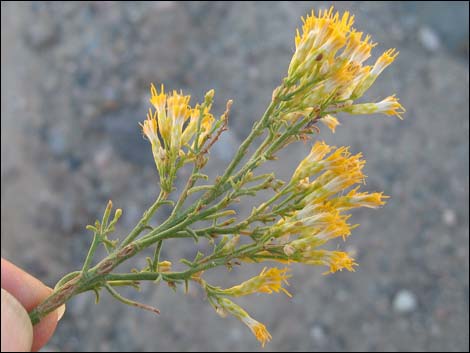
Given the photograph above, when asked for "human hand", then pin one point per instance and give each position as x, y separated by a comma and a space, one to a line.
21, 292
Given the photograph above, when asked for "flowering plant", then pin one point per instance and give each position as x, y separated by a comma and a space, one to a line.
326, 76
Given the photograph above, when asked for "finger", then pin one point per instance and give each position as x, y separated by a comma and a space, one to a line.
29, 291
43, 331
17, 331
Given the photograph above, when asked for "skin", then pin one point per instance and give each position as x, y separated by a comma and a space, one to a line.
22, 292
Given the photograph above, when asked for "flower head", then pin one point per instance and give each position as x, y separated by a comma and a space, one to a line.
356, 199
267, 281
339, 260
164, 266
311, 164
388, 106
330, 121
336, 260
150, 128
257, 328
383, 61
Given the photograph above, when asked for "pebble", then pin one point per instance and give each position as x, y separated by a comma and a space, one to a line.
429, 39
42, 34
57, 142
404, 302
449, 217
317, 333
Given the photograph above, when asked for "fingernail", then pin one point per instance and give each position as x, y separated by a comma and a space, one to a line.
60, 312
17, 330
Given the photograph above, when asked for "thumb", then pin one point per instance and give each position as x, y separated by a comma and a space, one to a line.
17, 330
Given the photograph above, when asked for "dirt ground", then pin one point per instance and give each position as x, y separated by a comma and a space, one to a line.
74, 82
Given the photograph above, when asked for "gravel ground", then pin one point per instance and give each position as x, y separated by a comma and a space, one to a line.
74, 82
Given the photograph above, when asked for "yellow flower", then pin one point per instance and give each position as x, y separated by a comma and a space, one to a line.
309, 216
383, 61
315, 235
164, 266
206, 125
330, 121
267, 281
158, 100
358, 50
309, 165
257, 328
356, 199
191, 126
368, 79
150, 128
178, 111
336, 260
388, 106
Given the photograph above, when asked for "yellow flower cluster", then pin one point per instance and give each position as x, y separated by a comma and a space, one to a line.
327, 71
319, 216
172, 126
175, 120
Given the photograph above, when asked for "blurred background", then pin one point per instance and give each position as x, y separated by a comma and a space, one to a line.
75, 83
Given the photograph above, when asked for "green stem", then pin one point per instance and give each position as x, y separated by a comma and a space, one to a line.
67, 278
91, 253
144, 220
255, 132
156, 255
189, 184
119, 297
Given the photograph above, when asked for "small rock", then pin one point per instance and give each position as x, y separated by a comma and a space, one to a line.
404, 302
42, 34
103, 157
317, 333
57, 142
449, 217
429, 39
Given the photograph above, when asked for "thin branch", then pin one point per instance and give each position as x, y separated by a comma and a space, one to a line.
119, 297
